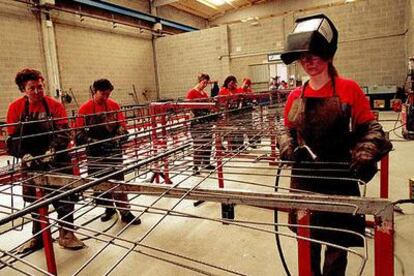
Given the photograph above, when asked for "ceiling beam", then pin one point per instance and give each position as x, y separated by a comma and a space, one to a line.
159, 3
192, 11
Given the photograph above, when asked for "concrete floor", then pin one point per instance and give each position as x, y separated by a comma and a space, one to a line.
228, 246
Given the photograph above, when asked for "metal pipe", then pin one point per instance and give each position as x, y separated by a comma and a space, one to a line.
113, 8
35, 206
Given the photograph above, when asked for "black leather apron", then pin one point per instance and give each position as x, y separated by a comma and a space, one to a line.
323, 124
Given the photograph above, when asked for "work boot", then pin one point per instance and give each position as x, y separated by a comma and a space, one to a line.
210, 167
33, 244
109, 213
128, 217
196, 171
68, 240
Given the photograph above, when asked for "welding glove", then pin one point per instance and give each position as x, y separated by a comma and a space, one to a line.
81, 137
121, 131
27, 160
286, 144
39, 163
287, 152
370, 147
50, 156
364, 165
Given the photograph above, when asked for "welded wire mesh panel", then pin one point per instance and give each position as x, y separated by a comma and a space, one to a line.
202, 220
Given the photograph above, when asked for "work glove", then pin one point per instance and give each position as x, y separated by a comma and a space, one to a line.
286, 144
81, 137
121, 131
50, 156
27, 160
287, 152
364, 165
39, 163
365, 172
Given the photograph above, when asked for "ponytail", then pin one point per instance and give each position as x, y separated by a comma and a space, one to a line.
332, 70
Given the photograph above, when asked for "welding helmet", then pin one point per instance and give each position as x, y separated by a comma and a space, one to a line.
315, 34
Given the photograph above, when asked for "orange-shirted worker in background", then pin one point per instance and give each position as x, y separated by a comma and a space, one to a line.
229, 88
247, 106
201, 126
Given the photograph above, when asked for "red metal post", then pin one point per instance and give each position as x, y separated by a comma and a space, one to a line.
46, 236
384, 174
164, 145
153, 114
384, 249
74, 159
219, 159
273, 154
304, 256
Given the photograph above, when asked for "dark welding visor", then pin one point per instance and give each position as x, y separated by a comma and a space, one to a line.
314, 34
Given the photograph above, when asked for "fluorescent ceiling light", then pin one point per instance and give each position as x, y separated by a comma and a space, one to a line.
213, 3
217, 2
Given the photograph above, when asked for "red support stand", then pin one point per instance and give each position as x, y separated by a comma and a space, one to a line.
164, 141
273, 154
154, 142
219, 158
384, 174
46, 236
384, 249
74, 159
304, 255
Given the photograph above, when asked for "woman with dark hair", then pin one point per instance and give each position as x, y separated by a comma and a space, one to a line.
328, 122
100, 118
247, 105
201, 126
229, 88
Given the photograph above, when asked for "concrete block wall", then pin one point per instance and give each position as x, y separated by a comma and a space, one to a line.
410, 28
250, 44
86, 51
182, 57
371, 43
91, 50
21, 46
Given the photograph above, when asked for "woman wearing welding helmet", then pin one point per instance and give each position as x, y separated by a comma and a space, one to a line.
328, 123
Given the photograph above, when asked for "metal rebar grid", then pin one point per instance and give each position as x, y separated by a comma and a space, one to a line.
164, 141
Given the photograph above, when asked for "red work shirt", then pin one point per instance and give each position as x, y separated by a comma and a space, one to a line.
194, 94
349, 93
36, 110
226, 92
91, 107
242, 90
